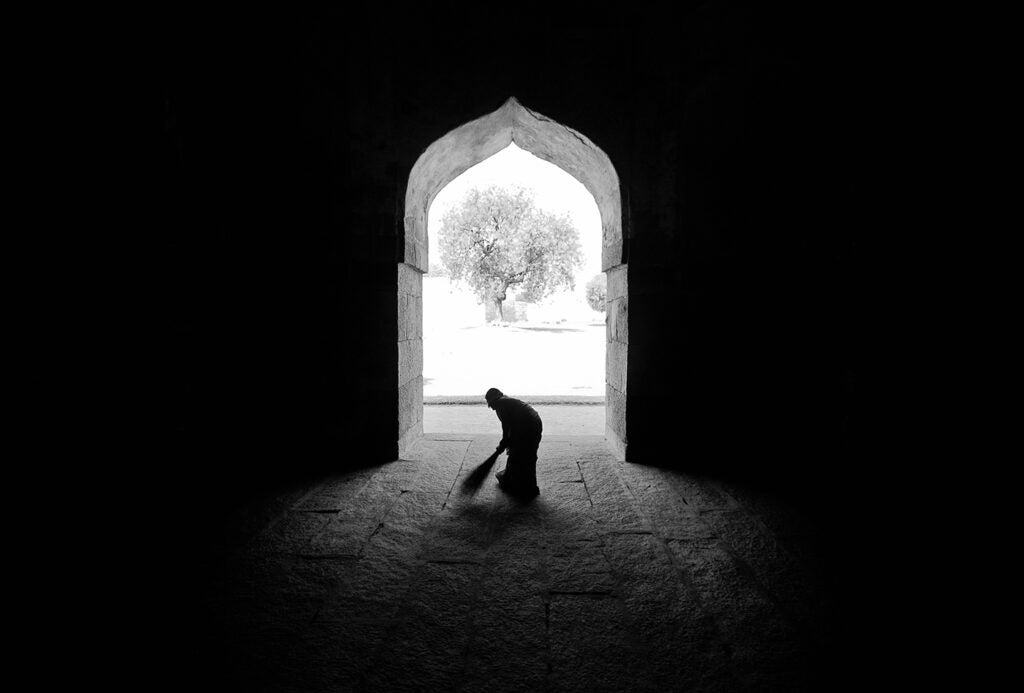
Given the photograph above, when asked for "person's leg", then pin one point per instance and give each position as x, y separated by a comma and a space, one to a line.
528, 473
512, 467
520, 476
529, 465
530, 459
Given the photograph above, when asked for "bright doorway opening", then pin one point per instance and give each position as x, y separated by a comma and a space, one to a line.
452, 350
551, 346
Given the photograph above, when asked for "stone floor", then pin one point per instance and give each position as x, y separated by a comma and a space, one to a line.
618, 577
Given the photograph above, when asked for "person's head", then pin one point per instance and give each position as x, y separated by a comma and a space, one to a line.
492, 396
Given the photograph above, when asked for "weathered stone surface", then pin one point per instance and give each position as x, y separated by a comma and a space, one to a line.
751, 623
642, 479
440, 454
591, 646
458, 538
410, 280
614, 513
556, 463
426, 649
404, 528
329, 656
617, 282
404, 318
373, 587
701, 493
410, 361
508, 651
381, 491
793, 586
617, 577
618, 321
415, 318
292, 533
334, 494
615, 365
785, 521
520, 575
676, 634
604, 484
673, 519
258, 588
615, 417
644, 569
578, 567
415, 509
365, 507
342, 538
429, 657
568, 511
416, 251
410, 396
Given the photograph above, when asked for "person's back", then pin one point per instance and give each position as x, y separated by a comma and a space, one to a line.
521, 428
519, 415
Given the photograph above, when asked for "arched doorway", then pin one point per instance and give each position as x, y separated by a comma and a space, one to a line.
449, 157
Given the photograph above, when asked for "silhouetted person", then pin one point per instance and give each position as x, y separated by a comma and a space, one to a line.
521, 429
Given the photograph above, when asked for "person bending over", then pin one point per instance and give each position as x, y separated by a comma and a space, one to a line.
521, 429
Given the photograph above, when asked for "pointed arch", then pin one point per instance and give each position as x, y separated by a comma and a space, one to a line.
449, 157
469, 144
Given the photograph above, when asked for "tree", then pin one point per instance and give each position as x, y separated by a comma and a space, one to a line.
496, 240
597, 291
437, 270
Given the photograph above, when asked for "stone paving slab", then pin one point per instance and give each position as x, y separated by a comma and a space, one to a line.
590, 649
617, 577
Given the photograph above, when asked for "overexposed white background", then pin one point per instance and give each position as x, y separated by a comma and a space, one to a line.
560, 348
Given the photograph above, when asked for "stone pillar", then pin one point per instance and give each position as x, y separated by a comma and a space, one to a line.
410, 356
616, 351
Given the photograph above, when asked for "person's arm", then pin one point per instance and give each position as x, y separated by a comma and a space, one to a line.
504, 436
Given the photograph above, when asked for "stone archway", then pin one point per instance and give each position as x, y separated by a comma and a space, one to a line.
449, 157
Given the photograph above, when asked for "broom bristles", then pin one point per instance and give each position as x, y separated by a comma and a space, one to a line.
475, 479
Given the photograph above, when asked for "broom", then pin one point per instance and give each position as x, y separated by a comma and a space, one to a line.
475, 479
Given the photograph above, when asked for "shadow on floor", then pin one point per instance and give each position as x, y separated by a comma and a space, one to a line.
617, 577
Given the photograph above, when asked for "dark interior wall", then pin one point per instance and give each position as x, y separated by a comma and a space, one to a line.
288, 140
743, 233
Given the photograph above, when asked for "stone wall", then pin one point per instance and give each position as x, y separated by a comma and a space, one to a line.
410, 356
616, 359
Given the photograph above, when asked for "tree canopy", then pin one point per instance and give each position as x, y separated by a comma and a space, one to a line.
496, 239
597, 289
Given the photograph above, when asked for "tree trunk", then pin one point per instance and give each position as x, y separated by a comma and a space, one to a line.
497, 311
